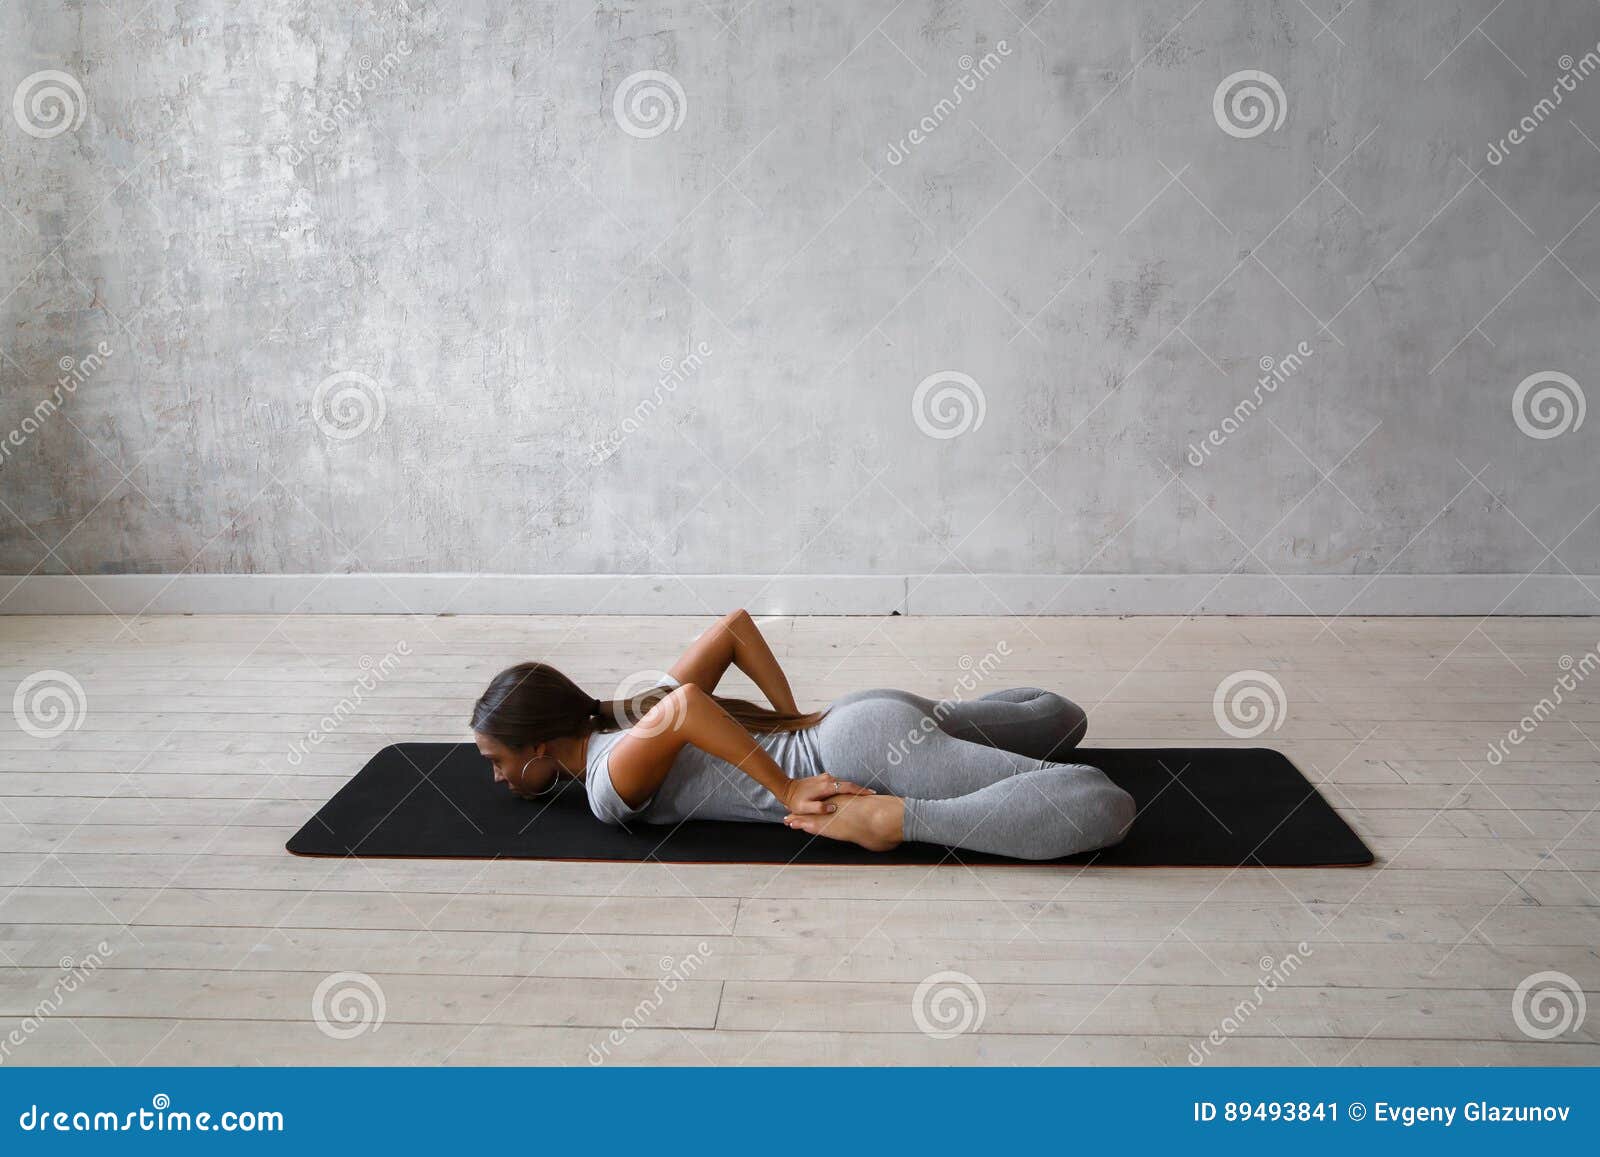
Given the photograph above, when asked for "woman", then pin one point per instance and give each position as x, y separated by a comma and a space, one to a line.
874, 769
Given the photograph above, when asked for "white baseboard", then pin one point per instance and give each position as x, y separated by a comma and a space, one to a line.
941, 594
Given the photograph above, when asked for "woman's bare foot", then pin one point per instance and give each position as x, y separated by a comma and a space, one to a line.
873, 821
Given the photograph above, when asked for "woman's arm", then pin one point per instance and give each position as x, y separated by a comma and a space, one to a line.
687, 716
735, 639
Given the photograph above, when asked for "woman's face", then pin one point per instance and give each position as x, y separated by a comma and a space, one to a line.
526, 771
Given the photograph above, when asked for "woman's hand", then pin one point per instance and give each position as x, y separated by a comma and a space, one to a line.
809, 795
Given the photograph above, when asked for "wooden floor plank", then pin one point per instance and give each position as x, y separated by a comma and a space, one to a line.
141, 854
164, 1041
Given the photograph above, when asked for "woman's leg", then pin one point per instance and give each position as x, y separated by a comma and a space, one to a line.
1058, 810
893, 743
1026, 720
960, 793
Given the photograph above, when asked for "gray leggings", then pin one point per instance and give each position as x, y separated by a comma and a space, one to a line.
982, 774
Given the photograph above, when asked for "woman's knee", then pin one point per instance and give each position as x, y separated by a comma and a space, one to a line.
1117, 810
1101, 815
1060, 714
1015, 694
1066, 717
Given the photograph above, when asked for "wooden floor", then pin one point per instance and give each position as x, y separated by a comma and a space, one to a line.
149, 914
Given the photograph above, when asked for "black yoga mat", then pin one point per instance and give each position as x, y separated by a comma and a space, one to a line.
1198, 806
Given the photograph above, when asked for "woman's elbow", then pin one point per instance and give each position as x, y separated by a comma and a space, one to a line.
671, 712
684, 703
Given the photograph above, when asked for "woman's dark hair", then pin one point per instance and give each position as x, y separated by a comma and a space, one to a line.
534, 703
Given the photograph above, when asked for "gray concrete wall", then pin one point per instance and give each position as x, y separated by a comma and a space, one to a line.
392, 290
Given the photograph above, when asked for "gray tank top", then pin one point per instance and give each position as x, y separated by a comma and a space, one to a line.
699, 786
